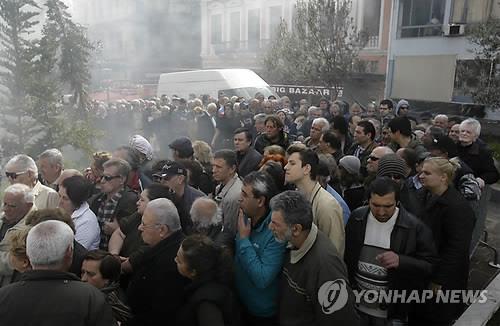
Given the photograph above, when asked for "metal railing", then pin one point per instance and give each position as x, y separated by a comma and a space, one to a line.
421, 30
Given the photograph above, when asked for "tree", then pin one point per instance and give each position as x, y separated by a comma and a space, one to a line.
43, 70
486, 40
17, 22
320, 48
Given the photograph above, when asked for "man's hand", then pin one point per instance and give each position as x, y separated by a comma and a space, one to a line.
388, 259
110, 227
481, 182
244, 228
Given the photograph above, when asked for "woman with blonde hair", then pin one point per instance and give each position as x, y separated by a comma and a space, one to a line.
203, 154
451, 220
17, 251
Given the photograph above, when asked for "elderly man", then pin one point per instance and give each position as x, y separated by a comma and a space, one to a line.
312, 113
318, 127
475, 153
17, 203
49, 295
441, 121
206, 220
313, 269
156, 289
115, 201
51, 166
22, 169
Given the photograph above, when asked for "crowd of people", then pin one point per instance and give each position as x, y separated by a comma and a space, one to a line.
263, 214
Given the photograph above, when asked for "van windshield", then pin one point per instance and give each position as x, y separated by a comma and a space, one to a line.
248, 92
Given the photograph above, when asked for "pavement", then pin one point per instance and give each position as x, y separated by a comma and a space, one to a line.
481, 273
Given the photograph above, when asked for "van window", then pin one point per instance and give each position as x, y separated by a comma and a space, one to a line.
247, 92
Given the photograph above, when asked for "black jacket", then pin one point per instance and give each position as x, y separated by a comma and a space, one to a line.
478, 157
451, 220
248, 162
262, 141
208, 303
410, 239
155, 290
44, 297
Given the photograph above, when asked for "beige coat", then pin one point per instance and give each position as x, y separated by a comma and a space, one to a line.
327, 215
44, 196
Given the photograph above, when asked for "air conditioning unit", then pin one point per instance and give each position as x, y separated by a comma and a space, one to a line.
454, 30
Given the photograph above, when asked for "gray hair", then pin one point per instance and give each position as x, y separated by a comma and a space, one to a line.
24, 163
122, 166
165, 213
386, 150
53, 155
262, 185
47, 244
261, 117
295, 207
313, 109
324, 122
474, 124
205, 215
20, 189
441, 116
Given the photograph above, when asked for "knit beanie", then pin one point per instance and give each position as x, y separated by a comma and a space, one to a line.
391, 164
351, 164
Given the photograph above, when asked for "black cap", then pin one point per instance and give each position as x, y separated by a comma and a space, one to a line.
445, 144
171, 168
184, 146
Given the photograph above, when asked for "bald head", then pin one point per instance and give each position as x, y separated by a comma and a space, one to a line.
66, 174
376, 154
204, 212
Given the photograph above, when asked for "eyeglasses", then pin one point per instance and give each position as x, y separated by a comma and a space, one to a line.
107, 178
144, 226
14, 175
373, 158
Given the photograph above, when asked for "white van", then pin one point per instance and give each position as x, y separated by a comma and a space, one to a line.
230, 82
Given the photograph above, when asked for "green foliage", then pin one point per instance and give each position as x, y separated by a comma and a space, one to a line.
486, 39
320, 48
36, 72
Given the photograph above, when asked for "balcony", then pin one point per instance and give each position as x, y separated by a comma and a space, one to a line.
239, 47
372, 42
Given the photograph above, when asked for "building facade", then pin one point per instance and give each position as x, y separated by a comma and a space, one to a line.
428, 47
140, 39
235, 33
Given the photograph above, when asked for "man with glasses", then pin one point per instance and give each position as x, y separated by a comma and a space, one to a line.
22, 169
156, 289
17, 203
115, 200
175, 176
387, 248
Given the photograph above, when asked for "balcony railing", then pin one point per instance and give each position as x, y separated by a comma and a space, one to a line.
372, 42
421, 30
231, 47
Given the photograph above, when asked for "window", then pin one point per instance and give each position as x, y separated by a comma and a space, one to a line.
216, 29
421, 18
474, 11
253, 29
235, 30
371, 21
274, 20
